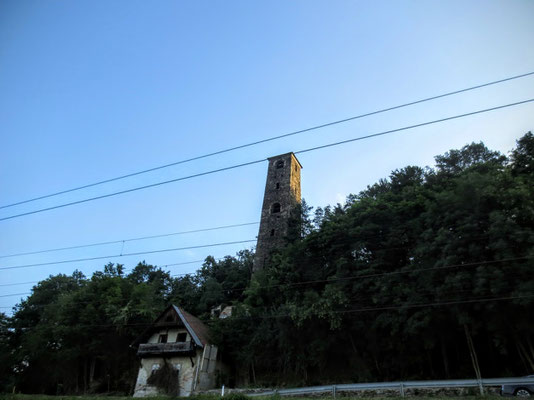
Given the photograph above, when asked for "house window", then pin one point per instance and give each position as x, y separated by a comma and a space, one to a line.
279, 164
162, 338
182, 337
275, 208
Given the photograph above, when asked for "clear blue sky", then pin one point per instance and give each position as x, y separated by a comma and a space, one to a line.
94, 89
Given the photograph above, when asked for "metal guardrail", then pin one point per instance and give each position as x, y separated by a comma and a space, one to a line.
400, 386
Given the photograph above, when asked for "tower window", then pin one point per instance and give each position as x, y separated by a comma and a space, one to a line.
279, 164
272, 232
277, 185
275, 208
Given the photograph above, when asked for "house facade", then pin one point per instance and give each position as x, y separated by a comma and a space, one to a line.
180, 341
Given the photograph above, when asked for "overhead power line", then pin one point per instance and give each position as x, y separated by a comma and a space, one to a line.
81, 246
324, 146
126, 270
406, 306
353, 277
15, 294
350, 311
316, 127
472, 238
134, 189
19, 283
128, 254
427, 291
348, 240
264, 159
380, 274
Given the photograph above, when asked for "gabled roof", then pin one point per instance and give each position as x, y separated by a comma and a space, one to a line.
195, 327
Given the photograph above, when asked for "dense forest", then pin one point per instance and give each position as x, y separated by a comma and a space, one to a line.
425, 274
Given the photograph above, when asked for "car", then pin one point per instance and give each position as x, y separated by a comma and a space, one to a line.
522, 390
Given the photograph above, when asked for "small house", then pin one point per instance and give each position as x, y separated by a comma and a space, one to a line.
177, 344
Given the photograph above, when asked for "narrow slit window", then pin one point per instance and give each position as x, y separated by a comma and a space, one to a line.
278, 185
272, 232
275, 208
279, 164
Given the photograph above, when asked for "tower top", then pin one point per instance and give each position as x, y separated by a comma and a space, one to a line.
285, 155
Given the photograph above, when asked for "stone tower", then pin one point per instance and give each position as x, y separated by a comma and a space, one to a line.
282, 195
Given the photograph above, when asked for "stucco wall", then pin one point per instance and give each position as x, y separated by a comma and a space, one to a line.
172, 335
186, 375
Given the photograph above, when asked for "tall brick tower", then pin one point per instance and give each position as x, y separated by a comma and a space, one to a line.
282, 195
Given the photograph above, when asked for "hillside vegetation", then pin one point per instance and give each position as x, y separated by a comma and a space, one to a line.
426, 274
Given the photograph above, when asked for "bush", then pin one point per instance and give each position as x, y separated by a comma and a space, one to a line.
166, 379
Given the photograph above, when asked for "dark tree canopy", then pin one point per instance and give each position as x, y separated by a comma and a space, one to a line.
407, 279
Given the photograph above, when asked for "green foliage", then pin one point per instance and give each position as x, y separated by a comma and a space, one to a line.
374, 267
165, 379
371, 290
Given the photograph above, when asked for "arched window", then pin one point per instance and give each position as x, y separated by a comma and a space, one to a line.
279, 164
275, 208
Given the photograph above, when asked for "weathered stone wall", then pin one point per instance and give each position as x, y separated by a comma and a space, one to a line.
281, 188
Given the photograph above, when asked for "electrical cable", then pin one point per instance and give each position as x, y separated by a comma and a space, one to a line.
126, 270
349, 241
127, 240
270, 139
358, 298
412, 126
128, 254
376, 275
352, 311
365, 276
134, 189
170, 234
264, 159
